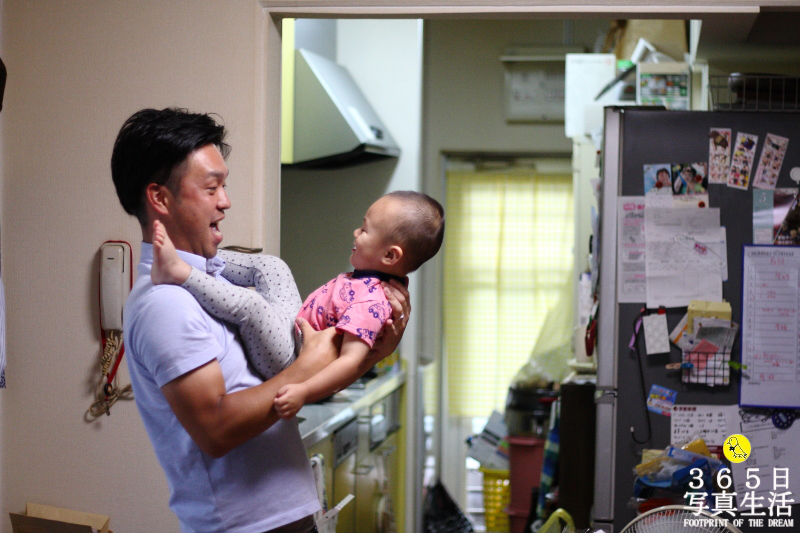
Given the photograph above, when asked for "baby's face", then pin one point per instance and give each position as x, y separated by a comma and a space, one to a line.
372, 238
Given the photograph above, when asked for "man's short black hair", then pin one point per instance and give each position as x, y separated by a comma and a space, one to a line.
150, 147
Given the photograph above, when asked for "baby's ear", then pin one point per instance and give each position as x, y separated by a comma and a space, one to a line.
392, 256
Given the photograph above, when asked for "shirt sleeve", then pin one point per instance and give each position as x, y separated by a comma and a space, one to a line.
172, 335
365, 320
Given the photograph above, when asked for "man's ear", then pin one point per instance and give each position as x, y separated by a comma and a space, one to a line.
158, 198
392, 256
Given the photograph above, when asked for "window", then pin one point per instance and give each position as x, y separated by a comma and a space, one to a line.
508, 253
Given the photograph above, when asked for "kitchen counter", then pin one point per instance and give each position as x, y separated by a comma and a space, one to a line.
319, 420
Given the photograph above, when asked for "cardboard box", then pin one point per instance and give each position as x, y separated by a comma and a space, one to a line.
46, 519
668, 36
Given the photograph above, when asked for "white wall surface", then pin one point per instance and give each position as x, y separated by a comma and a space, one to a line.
77, 70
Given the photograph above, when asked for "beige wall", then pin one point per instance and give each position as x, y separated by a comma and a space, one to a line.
77, 70
2, 116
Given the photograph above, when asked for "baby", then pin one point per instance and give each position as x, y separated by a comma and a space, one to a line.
399, 233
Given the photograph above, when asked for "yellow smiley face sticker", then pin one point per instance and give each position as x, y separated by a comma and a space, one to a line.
736, 448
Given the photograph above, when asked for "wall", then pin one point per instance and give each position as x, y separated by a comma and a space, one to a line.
463, 110
77, 70
2, 120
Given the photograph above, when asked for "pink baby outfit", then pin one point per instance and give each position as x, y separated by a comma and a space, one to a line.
354, 305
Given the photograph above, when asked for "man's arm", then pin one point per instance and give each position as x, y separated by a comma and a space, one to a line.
348, 367
218, 421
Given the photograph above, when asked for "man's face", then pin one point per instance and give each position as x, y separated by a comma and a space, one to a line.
200, 203
371, 239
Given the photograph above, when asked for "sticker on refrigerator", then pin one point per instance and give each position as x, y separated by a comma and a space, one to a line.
719, 155
769, 164
744, 153
661, 400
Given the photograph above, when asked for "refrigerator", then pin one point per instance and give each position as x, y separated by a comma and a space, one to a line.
634, 137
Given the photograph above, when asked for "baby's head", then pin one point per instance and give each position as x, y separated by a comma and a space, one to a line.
399, 233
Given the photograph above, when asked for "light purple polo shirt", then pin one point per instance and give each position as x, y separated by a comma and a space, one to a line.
262, 484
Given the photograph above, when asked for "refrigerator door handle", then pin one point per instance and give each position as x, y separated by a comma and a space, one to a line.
605, 396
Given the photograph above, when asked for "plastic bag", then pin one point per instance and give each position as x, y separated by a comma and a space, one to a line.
441, 514
554, 347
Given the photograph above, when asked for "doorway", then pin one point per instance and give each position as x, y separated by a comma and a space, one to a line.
508, 261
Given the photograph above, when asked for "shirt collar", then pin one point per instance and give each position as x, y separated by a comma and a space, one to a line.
213, 266
383, 276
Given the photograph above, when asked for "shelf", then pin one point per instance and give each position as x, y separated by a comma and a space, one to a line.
539, 54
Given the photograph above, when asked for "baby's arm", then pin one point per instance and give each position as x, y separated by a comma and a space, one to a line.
351, 364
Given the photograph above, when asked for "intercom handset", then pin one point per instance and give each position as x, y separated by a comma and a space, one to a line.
115, 283
116, 280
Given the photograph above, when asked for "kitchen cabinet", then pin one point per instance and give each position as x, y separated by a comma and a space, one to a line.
376, 472
345, 447
360, 440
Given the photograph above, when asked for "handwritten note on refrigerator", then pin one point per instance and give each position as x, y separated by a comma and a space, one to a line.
712, 423
770, 343
685, 256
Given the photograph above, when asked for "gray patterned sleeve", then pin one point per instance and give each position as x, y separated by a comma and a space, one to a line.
265, 317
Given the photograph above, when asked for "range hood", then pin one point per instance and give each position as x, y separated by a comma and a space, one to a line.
334, 125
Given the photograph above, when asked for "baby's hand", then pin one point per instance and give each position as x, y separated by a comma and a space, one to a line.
290, 399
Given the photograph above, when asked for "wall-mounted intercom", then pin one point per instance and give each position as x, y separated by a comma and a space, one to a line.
115, 283
116, 280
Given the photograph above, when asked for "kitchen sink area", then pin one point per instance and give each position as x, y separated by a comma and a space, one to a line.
357, 437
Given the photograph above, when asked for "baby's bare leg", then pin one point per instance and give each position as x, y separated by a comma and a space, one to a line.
168, 267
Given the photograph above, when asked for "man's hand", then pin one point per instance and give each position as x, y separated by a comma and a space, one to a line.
219, 421
320, 348
397, 295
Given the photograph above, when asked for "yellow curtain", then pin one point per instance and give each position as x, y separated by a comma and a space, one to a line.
508, 249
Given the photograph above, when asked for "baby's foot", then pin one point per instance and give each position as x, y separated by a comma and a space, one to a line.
168, 267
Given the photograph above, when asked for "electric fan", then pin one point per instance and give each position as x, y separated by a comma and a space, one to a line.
679, 519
